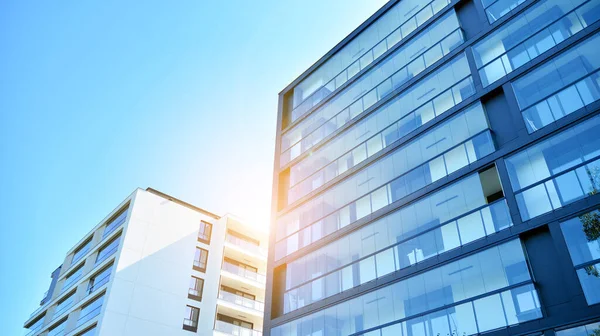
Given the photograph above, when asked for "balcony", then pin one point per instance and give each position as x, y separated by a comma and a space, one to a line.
231, 329
42, 306
190, 325
34, 330
241, 301
246, 246
244, 273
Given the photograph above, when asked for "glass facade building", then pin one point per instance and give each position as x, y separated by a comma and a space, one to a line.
437, 173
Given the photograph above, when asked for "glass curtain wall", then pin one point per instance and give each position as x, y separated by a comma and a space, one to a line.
386, 32
561, 86
437, 153
497, 280
557, 171
538, 29
410, 60
582, 235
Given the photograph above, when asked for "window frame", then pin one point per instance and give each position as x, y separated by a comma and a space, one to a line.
203, 237
194, 323
197, 262
200, 290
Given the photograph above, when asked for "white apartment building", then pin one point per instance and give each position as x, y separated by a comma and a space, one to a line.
158, 266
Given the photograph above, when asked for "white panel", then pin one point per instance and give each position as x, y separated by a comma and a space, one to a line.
128, 264
113, 324
120, 296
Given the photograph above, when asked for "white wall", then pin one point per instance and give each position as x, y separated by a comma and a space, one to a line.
149, 290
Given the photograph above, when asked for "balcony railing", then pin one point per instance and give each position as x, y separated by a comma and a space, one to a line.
194, 292
200, 265
105, 254
241, 301
40, 308
97, 283
232, 329
245, 273
63, 307
32, 331
246, 245
190, 323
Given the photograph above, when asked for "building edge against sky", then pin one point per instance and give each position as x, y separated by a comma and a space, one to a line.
158, 266
437, 173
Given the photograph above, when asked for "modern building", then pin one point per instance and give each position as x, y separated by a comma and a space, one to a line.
158, 266
437, 173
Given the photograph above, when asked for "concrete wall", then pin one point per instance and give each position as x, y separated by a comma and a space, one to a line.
148, 293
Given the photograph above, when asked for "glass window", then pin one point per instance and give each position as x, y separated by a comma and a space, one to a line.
82, 250
190, 321
114, 223
205, 232
358, 314
99, 280
89, 332
90, 310
561, 156
404, 171
200, 259
196, 288
64, 304
58, 329
367, 46
72, 278
484, 310
496, 9
37, 325
405, 64
108, 249
582, 235
402, 232
560, 86
533, 32
585, 330
486, 271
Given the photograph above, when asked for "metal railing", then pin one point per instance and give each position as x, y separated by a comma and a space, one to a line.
241, 301
72, 280
97, 283
40, 308
87, 317
232, 329
200, 264
35, 330
117, 222
105, 254
246, 245
65, 307
243, 272
194, 292
190, 323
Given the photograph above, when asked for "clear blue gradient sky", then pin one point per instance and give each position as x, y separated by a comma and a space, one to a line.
100, 97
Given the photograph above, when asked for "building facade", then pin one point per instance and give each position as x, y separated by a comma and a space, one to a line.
158, 266
437, 173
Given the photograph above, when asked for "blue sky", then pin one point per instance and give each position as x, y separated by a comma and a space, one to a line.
100, 97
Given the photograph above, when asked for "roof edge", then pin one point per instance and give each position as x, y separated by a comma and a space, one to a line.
339, 46
180, 202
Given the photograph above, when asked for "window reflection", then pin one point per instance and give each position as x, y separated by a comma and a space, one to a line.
519, 305
402, 172
571, 81
557, 171
582, 235
487, 271
399, 21
339, 111
539, 28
